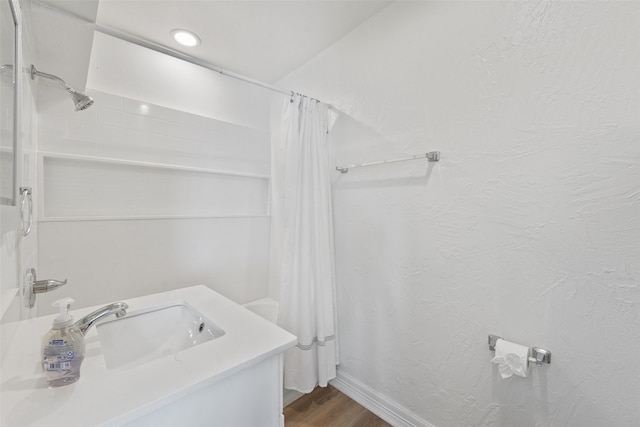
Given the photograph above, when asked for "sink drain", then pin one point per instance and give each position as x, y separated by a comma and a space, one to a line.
201, 327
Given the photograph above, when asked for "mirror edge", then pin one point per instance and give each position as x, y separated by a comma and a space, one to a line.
14, 7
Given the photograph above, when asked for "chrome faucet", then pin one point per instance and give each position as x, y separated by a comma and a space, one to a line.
117, 308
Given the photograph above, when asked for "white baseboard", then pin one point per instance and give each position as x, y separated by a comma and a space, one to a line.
389, 411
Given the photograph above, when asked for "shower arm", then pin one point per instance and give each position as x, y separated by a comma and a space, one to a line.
35, 73
80, 100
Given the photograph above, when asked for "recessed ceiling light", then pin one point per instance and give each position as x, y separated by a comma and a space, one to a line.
185, 38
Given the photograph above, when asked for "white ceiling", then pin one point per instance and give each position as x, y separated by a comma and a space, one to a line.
263, 39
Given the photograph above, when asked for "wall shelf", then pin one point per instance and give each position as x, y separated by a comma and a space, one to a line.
42, 155
148, 217
81, 188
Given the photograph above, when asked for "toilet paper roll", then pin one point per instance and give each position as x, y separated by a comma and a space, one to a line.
511, 359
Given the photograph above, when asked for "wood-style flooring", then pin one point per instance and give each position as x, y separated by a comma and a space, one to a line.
328, 407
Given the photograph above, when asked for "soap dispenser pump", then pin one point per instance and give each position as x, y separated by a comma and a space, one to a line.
62, 348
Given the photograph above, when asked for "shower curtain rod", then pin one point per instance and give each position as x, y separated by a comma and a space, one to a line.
183, 57
195, 61
165, 50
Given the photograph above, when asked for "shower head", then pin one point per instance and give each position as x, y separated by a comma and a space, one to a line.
81, 101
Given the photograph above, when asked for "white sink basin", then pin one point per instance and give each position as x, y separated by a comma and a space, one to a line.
148, 334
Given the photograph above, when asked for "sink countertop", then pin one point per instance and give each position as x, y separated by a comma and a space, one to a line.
112, 397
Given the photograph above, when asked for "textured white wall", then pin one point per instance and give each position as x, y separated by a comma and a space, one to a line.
529, 226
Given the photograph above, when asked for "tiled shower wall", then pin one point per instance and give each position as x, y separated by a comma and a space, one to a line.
137, 198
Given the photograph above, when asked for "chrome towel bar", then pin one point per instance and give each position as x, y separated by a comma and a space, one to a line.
432, 156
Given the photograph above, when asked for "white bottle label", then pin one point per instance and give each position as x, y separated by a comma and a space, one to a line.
58, 356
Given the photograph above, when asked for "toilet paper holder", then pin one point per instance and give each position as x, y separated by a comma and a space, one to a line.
536, 355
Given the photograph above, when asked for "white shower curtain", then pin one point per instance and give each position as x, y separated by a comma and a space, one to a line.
302, 217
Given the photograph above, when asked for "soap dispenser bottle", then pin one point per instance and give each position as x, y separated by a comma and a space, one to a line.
62, 348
